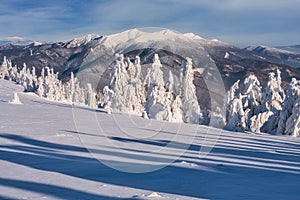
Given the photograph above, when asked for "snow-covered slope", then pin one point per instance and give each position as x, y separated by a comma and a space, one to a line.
44, 157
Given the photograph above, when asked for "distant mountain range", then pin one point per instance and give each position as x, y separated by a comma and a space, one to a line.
15, 41
93, 55
293, 48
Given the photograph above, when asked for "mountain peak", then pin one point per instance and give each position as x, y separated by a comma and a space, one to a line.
76, 42
194, 36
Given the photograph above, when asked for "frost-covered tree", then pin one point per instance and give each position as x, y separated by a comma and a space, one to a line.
293, 122
252, 98
229, 98
252, 92
273, 95
191, 108
272, 101
72, 87
78, 94
138, 68
107, 96
119, 81
236, 116
90, 96
13, 73
131, 68
157, 104
4, 68
292, 94
41, 84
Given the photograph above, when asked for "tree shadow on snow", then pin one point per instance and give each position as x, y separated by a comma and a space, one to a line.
228, 178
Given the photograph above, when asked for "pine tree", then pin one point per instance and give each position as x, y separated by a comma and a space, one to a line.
156, 104
90, 96
191, 107
273, 99
292, 94
137, 64
4, 69
107, 96
293, 122
252, 98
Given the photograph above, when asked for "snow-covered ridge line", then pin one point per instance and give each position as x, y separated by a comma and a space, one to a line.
76, 42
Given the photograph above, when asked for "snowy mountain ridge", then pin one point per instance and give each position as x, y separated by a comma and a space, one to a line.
77, 42
142, 36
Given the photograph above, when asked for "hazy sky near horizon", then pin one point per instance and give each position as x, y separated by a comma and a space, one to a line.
239, 22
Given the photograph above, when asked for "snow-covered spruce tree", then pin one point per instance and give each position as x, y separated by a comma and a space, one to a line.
292, 94
107, 96
236, 115
252, 92
41, 84
49, 84
252, 98
191, 108
230, 96
293, 122
78, 98
135, 92
13, 73
4, 68
157, 102
118, 82
72, 88
138, 68
131, 69
90, 96
273, 95
272, 100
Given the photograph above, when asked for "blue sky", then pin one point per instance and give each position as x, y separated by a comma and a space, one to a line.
239, 22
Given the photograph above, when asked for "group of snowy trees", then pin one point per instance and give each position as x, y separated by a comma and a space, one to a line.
47, 85
268, 110
158, 96
168, 97
165, 96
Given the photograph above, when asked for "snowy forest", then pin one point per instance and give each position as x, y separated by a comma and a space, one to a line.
247, 105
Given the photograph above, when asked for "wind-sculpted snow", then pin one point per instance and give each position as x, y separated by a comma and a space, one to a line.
43, 156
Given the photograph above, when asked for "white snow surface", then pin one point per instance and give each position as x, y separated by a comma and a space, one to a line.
42, 157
